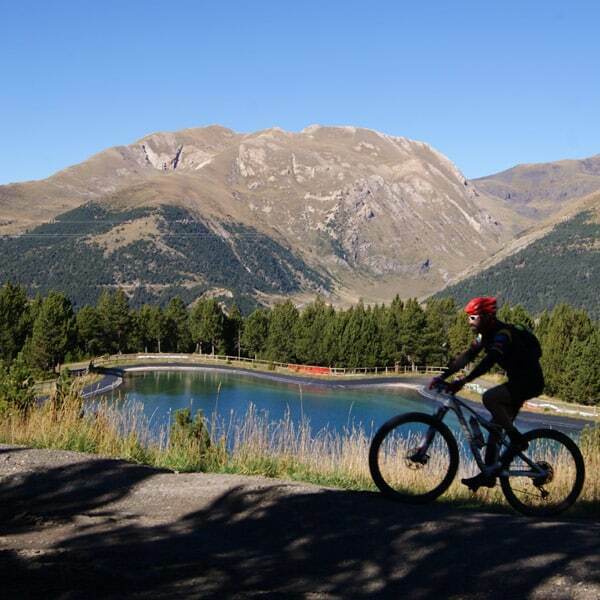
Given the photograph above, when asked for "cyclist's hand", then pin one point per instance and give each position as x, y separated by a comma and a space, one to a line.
435, 383
454, 386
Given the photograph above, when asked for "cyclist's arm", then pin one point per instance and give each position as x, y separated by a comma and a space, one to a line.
462, 360
495, 353
486, 363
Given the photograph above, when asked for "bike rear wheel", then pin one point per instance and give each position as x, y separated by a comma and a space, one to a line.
413, 458
553, 480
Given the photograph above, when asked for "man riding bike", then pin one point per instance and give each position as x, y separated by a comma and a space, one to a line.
517, 352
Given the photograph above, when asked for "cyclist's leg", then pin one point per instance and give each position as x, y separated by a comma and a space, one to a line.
504, 407
499, 401
493, 398
522, 389
496, 400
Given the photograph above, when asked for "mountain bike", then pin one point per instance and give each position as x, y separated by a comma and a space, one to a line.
414, 458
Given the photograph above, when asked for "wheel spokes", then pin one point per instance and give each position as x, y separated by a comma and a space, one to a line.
408, 464
552, 472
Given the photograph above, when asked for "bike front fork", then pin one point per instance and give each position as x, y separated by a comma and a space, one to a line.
439, 415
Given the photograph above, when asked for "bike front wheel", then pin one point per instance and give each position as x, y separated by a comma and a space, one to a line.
413, 458
545, 479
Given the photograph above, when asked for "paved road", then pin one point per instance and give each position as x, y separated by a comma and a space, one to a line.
77, 526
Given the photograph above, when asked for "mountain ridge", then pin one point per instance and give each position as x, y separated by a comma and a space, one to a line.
374, 214
365, 215
538, 190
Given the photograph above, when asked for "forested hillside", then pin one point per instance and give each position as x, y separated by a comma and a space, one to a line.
563, 266
86, 250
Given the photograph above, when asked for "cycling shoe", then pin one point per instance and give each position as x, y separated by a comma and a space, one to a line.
479, 480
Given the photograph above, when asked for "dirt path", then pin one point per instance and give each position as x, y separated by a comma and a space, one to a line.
79, 526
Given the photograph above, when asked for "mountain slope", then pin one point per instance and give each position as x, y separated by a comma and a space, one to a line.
363, 214
561, 265
23, 205
539, 190
90, 248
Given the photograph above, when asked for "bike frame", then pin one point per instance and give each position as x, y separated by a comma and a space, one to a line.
454, 404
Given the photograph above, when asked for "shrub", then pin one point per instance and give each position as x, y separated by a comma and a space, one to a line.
16, 387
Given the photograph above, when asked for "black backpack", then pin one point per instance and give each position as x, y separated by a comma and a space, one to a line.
526, 340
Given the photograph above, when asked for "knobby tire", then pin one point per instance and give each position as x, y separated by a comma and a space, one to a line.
388, 428
510, 485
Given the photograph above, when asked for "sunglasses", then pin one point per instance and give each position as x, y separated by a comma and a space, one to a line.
473, 318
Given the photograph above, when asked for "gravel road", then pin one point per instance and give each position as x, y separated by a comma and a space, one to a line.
80, 526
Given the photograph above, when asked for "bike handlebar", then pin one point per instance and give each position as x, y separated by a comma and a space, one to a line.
442, 389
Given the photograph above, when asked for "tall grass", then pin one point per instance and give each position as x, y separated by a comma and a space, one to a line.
61, 422
253, 445
590, 448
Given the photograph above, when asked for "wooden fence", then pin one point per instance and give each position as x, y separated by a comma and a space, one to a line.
263, 364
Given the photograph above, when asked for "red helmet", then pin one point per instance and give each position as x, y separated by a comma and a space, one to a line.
483, 305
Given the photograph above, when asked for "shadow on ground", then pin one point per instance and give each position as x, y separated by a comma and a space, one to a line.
252, 541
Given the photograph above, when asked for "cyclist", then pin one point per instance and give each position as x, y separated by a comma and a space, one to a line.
505, 346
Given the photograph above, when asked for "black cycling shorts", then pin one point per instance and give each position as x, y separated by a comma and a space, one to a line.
522, 389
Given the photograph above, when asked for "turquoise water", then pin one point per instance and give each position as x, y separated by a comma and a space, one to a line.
227, 395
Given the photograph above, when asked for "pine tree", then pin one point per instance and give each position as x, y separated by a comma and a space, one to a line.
177, 314
282, 326
158, 326
541, 325
15, 322
351, 352
310, 343
90, 334
390, 337
517, 315
140, 337
332, 332
121, 318
460, 335
565, 325
412, 325
54, 332
397, 306
35, 307
234, 326
207, 325
439, 316
370, 339
16, 386
581, 382
117, 321
255, 333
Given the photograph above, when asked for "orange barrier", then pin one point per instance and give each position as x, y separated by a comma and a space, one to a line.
310, 369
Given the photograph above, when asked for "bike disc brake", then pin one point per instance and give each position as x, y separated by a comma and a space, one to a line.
416, 459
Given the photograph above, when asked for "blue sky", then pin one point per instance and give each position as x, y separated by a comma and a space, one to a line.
489, 84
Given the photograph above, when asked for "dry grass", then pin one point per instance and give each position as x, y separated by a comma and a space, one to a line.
62, 423
252, 445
